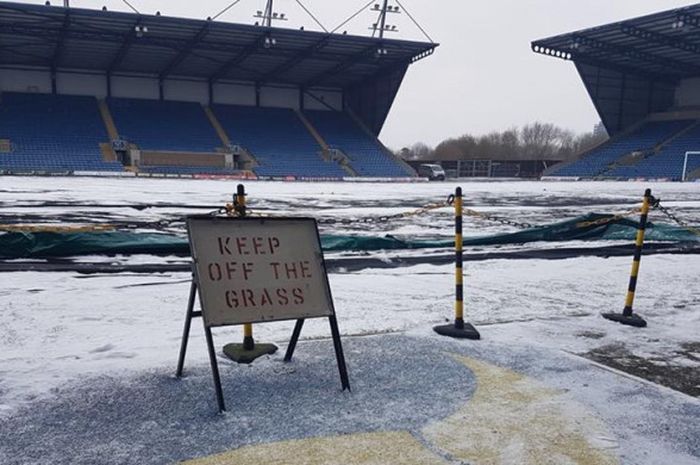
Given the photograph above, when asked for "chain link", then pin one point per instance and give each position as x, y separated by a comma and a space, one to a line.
387, 218
655, 204
382, 219
504, 221
233, 209
610, 219
683, 224
38, 228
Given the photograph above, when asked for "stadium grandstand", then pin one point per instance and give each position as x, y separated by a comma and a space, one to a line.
97, 91
643, 75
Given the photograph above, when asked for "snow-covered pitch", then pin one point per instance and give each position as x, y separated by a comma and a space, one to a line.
67, 336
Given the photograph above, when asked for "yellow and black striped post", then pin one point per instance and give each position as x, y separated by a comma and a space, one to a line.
628, 317
240, 208
459, 329
248, 351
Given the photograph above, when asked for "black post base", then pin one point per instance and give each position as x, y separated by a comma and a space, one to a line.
467, 332
238, 352
631, 320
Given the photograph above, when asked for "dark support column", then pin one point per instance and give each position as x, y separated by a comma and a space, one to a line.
109, 84
210, 87
257, 94
54, 86
161, 92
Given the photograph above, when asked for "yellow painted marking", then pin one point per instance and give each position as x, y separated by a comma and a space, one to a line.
396, 448
630, 299
515, 420
510, 419
459, 242
635, 268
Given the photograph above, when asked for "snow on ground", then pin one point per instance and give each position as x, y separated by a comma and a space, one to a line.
63, 335
57, 327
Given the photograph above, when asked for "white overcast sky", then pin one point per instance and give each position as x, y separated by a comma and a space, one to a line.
483, 77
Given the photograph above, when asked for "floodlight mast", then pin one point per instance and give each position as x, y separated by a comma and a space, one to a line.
381, 20
268, 15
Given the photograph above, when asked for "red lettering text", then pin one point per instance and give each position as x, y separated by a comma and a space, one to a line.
223, 246
282, 298
215, 272
298, 296
242, 247
274, 244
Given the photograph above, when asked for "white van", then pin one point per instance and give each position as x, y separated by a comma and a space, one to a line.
432, 172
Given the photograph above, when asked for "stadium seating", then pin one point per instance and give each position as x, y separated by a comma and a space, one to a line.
72, 129
277, 139
643, 139
366, 156
164, 125
668, 162
52, 133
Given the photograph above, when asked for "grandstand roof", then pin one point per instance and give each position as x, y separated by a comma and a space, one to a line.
128, 43
664, 46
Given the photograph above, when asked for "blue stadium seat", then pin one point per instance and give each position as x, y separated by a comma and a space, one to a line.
277, 139
53, 133
367, 157
644, 139
668, 162
164, 125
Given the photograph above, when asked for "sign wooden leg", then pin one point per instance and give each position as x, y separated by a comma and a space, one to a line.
186, 330
293, 341
340, 357
214, 369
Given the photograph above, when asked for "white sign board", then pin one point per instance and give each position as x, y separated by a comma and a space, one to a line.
250, 270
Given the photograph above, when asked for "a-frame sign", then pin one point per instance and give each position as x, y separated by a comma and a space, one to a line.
255, 270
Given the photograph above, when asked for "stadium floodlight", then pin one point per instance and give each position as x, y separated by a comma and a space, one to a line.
140, 30
268, 15
688, 154
269, 42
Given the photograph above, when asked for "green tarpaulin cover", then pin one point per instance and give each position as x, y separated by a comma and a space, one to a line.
68, 244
